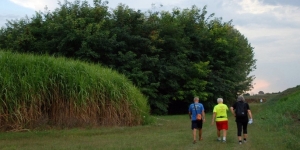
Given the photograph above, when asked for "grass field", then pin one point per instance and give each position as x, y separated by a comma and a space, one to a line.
169, 132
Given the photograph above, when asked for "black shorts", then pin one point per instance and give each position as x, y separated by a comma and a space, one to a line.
196, 124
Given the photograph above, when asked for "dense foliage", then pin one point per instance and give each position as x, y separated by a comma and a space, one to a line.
170, 55
41, 90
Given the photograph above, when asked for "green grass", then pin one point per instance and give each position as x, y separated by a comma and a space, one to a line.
282, 114
169, 132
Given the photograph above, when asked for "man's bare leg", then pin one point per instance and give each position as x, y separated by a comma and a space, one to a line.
224, 134
200, 134
245, 136
194, 134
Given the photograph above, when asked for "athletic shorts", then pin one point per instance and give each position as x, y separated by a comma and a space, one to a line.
222, 125
196, 124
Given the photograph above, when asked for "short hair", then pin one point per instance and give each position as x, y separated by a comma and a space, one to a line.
240, 98
196, 98
220, 100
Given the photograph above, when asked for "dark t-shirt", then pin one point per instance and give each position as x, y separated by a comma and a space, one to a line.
243, 118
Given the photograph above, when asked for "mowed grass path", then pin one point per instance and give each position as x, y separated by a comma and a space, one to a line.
170, 133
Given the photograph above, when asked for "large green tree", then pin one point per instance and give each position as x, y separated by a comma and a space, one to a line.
231, 60
170, 55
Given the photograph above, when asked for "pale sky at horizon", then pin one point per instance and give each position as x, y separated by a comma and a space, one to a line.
271, 26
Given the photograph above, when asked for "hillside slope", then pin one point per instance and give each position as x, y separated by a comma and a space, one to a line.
282, 114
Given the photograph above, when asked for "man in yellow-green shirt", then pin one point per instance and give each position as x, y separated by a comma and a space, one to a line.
220, 116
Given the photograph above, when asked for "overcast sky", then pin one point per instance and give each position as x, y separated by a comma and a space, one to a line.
271, 26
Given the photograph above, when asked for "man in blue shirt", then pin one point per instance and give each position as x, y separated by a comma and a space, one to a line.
194, 109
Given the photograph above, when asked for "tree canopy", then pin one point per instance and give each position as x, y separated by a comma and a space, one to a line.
169, 55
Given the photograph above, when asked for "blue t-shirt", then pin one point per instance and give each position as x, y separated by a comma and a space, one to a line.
199, 109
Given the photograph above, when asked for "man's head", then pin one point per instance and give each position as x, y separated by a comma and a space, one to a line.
220, 100
240, 98
196, 99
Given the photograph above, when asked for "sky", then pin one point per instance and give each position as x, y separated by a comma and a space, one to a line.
272, 27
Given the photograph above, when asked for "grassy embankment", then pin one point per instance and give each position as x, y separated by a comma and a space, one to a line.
281, 115
46, 92
275, 127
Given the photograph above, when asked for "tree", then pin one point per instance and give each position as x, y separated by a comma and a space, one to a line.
170, 55
231, 61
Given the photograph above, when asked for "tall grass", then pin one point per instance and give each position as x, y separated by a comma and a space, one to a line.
282, 114
41, 90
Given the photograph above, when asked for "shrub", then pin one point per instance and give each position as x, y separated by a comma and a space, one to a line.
43, 90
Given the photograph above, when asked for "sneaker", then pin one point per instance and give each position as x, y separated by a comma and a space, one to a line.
194, 142
240, 142
224, 141
245, 141
218, 139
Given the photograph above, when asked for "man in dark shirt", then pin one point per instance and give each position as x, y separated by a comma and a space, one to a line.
241, 121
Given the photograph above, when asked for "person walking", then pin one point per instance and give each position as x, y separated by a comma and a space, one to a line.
197, 117
241, 111
220, 116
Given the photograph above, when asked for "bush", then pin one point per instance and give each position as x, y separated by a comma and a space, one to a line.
43, 90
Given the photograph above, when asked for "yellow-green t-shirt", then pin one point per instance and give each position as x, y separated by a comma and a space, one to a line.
221, 112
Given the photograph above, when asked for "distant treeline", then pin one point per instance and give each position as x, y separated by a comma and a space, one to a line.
169, 55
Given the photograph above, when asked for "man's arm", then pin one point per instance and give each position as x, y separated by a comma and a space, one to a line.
190, 112
213, 118
203, 115
250, 114
249, 111
232, 111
